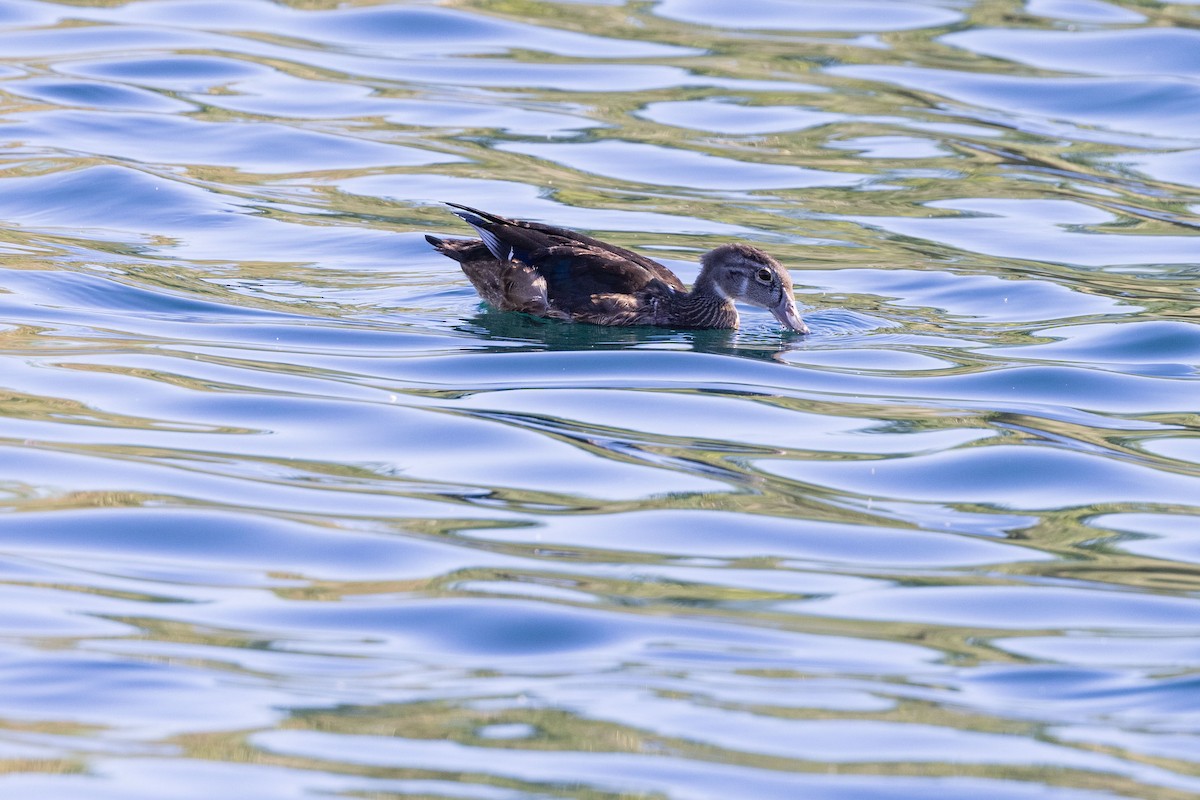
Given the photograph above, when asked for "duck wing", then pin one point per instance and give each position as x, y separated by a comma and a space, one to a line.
575, 266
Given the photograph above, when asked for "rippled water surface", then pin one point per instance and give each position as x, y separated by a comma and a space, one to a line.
289, 513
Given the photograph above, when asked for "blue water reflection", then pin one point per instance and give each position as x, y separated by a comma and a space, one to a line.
288, 512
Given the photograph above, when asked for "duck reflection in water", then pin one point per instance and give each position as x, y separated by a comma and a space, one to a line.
559, 274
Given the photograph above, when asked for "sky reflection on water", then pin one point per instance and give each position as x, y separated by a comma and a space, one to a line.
288, 512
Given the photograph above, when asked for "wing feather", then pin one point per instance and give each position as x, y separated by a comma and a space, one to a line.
508, 239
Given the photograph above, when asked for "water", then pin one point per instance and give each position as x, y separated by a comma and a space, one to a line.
288, 513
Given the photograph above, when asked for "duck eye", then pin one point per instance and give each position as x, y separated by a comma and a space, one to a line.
764, 275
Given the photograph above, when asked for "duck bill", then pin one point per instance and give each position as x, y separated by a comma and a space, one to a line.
786, 313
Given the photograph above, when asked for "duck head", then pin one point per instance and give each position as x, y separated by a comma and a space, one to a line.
742, 272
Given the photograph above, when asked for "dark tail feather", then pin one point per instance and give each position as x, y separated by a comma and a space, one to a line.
485, 225
481, 215
459, 249
447, 247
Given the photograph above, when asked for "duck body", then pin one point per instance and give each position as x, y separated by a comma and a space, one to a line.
558, 273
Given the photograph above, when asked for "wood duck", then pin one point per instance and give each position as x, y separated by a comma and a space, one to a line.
557, 273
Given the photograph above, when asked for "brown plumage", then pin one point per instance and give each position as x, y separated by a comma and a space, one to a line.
558, 273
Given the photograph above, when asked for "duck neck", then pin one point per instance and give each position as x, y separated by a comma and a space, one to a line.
707, 306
